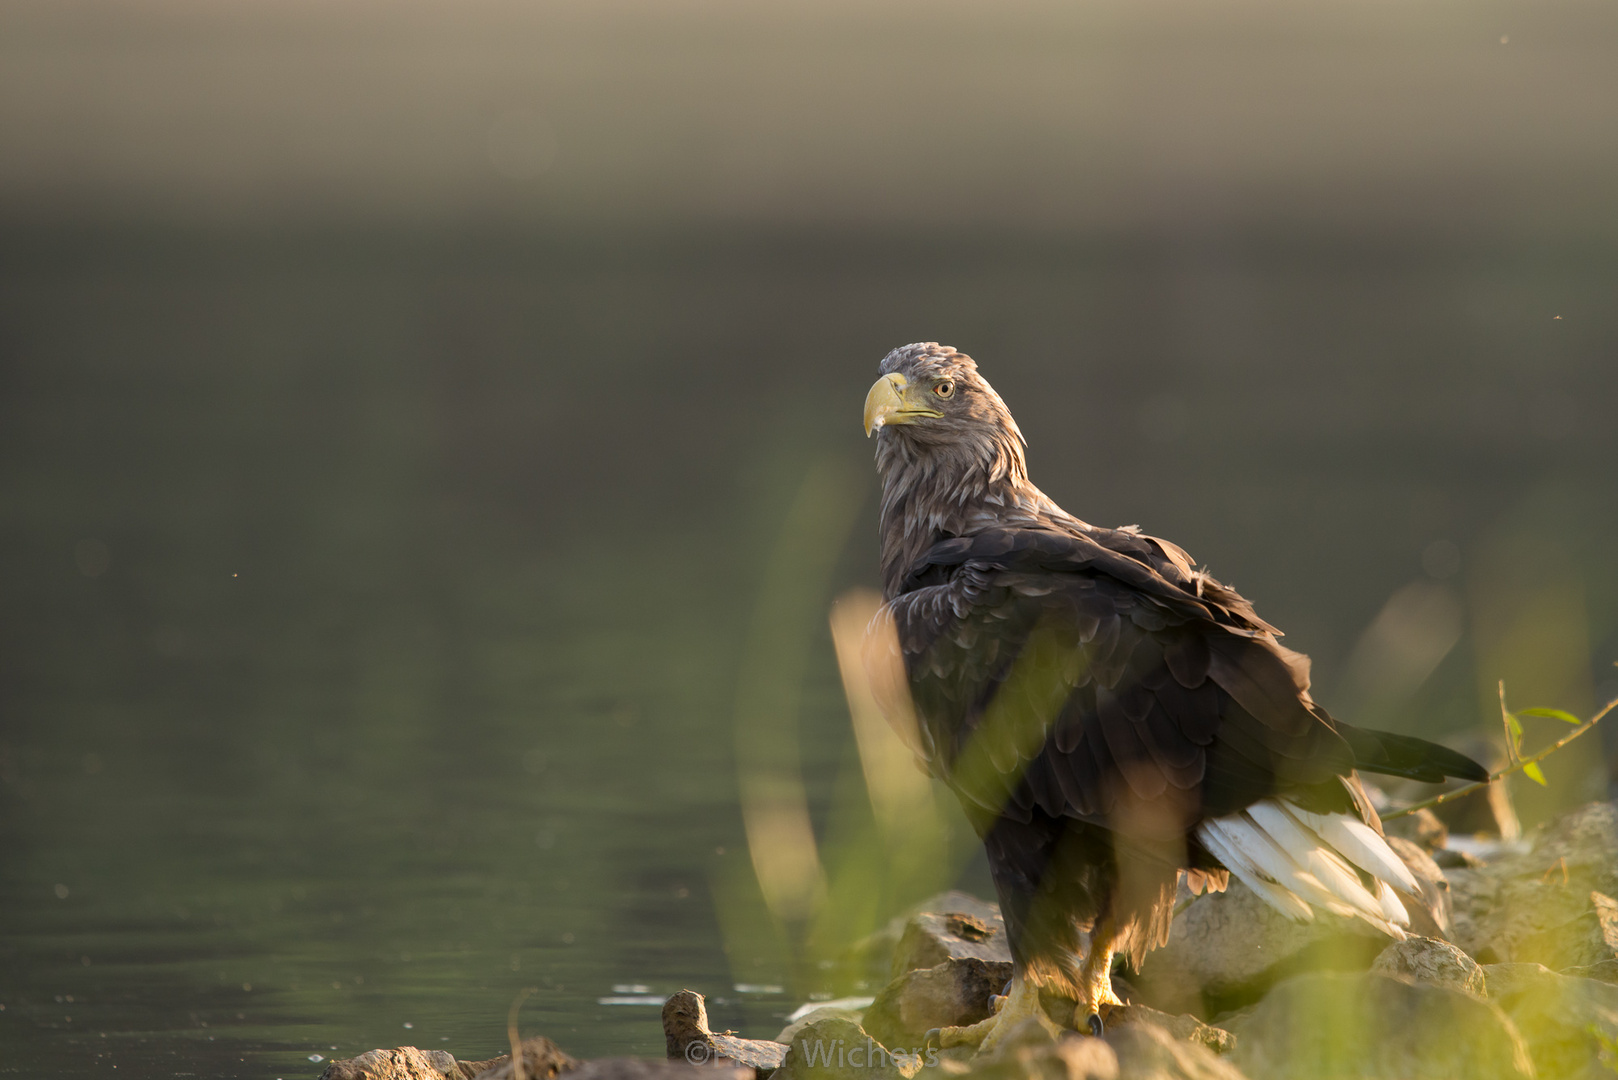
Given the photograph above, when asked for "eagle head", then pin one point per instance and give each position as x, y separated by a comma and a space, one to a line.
938, 399
949, 453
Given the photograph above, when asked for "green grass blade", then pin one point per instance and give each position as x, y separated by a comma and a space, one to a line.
1552, 714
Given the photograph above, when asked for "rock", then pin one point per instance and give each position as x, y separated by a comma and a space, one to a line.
1450, 859
400, 1063
1518, 907
1430, 917
1226, 949
1503, 980
688, 1037
1371, 1027
1606, 971
932, 937
835, 1049
1147, 1052
408, 1063
1423, 828
1185, 1026
870, 961
1529, 912
955, 992
1430, 961
1581, 846
813, 1016
1472, 897
1565, 1021
1029, 1053
1589, 938
1137, 1051
1505, 917
630, 1068
854, 1003
541, 1058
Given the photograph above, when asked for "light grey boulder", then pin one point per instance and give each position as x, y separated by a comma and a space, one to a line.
1430, 961
1472, 894
1519, 907
1226, 949
1584, 844
1372, 1027
1587, 939
869, 962
932, 937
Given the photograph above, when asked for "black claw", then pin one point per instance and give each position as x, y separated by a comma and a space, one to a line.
932, 1040
1095, 1025
1005, 991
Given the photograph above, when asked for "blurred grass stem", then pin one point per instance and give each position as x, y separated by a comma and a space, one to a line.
512, 1034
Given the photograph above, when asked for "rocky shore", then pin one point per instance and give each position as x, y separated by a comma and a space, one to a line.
1513, 973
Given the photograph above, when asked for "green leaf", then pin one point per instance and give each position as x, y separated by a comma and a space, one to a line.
1531, 770
1514, 726
1552, 714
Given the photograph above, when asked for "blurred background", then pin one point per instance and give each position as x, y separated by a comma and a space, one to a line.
430, 449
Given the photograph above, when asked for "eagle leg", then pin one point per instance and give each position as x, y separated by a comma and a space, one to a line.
1015, 1009
1095, 979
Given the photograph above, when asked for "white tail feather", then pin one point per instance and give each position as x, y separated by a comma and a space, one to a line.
1283, 900
1359, 844
1293, 858
1243, 833
1391, 905
1307, 850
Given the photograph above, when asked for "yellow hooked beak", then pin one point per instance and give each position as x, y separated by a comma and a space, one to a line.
890, 402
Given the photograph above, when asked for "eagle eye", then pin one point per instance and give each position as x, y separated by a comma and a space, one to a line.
944, 389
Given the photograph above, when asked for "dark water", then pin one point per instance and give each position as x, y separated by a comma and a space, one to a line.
373, 607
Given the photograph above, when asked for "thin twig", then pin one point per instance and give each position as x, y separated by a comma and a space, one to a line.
1521, 764
1512, 755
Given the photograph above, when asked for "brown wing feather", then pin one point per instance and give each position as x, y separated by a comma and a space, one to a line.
1161, 689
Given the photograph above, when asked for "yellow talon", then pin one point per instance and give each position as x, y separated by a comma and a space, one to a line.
1095, 979
1018, 1007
